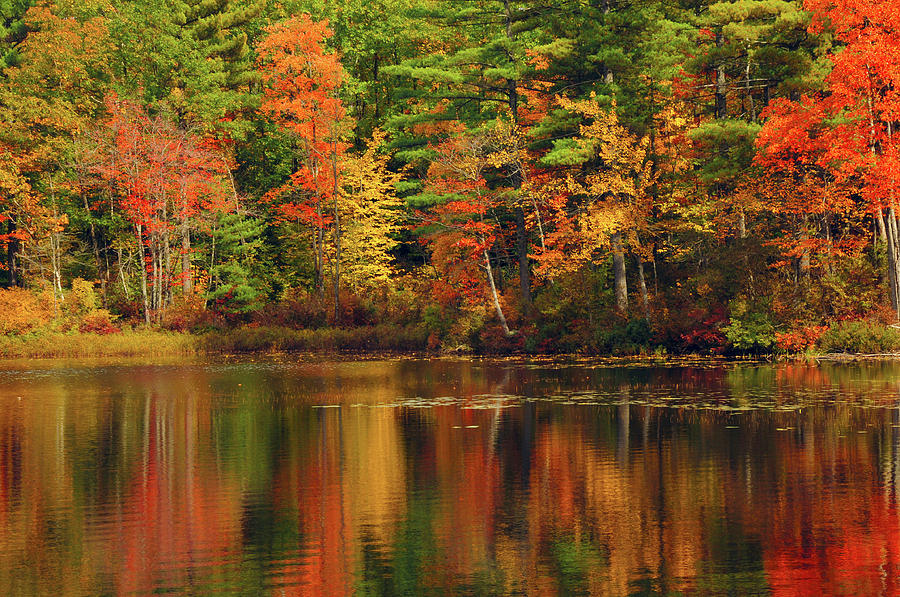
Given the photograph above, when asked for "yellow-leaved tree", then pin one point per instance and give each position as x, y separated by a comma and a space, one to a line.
601, 184
371, 216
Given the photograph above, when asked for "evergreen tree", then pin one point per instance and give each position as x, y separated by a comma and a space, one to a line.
237, 274
191, 57
475, 80
12, 30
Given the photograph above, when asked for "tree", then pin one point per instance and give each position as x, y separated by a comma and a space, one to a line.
191, 57
457, 174
371, 214
847, 132
51, 95
237, 278
606, 174
750, 51
302, 81
162, 177
480, 78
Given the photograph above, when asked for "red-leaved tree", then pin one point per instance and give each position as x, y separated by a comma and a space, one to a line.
161, 178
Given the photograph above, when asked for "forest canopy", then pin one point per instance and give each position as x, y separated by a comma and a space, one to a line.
535, 175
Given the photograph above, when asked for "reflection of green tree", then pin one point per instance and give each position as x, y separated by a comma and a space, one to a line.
412, 565
736, 566
376, 575
574, 562
649, 584
414, 550
270, 537
253, 441
486, 581
744, 383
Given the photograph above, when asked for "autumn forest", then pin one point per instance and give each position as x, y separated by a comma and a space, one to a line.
498, 176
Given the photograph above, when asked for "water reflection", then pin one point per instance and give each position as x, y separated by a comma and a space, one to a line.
417, 478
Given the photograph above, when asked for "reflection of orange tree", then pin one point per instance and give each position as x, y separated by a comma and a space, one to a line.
833, 527
602, 507
467, 471
180, 521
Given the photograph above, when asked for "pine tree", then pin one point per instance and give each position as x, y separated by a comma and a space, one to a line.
237, 274
191, 57
478, 78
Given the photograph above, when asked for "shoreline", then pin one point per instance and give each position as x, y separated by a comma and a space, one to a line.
361, 342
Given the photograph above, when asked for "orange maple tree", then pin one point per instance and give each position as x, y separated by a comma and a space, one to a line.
840, 144
302, 81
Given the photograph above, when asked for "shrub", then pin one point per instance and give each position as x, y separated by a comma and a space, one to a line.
81, 299
799, 340
695, 330
22, 310
861, 337
190, 314
749, 331
493, 340
98, 321
752, 332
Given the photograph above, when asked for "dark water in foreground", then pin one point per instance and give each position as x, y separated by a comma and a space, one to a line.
449, 477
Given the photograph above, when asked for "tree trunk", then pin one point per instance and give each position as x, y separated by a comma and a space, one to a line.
494, 297
12, 248
893, 261
122, 274
621, 285
320, 248
512, 93
154, 272
102, 272
645, 301
524, 265
721, 105
337, 239
747, 85
187, 280
804, 255
143, 267
166, 268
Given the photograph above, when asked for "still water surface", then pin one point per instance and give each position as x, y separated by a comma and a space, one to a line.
449, 477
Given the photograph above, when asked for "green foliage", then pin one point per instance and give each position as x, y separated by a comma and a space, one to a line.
728, 146
860, 337
238, 282
12, 30
748, 330
189, 56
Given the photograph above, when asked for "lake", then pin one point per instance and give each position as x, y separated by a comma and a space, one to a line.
309, 476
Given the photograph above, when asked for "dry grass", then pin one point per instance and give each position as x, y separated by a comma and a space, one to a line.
81, 345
